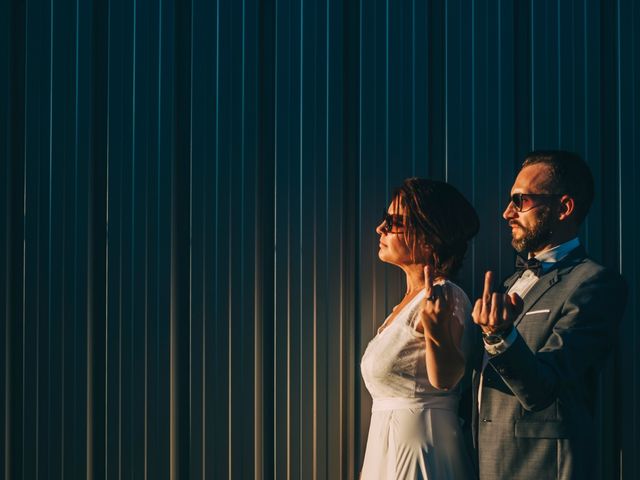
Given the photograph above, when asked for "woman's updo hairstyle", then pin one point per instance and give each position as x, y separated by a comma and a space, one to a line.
438, 215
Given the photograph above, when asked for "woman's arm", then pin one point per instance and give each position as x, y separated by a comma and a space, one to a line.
442, 335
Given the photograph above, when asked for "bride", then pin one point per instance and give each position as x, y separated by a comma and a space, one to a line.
413, 364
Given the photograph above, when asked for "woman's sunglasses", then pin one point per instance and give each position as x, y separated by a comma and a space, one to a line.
526, 201
392, 223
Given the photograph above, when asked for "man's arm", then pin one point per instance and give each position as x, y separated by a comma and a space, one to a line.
581, 338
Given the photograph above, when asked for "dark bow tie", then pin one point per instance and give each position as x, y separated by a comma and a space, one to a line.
532, 264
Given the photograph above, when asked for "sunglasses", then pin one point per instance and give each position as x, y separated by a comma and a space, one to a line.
524, 202
392, 223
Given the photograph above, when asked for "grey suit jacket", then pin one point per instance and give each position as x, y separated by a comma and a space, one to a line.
536, 414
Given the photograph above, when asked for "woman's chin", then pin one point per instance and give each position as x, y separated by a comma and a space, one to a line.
384, 257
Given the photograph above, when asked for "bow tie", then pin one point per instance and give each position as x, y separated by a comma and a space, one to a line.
532, 264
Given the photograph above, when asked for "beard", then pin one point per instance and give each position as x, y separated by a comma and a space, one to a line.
537, 235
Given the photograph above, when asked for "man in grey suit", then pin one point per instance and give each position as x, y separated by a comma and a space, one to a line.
545, 333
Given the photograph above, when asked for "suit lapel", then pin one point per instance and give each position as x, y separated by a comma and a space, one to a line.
541, 286
549, 279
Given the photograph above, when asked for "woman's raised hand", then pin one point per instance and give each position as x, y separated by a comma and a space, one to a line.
437, 311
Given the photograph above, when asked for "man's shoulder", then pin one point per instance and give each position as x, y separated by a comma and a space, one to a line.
588, 275
586, 268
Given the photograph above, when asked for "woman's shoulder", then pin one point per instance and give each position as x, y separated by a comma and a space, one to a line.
457, 295
461, 302
457, 291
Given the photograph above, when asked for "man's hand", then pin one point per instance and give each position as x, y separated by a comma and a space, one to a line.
496, 312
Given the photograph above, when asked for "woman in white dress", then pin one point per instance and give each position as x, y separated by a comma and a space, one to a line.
413, 365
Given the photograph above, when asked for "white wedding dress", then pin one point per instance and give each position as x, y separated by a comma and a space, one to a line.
415, 431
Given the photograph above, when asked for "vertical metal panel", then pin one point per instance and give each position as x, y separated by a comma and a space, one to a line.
5, 175
628, 221
189, 264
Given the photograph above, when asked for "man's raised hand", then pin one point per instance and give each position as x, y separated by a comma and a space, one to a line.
495, 312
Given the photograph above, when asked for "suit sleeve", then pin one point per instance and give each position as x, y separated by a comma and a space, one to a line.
580, 340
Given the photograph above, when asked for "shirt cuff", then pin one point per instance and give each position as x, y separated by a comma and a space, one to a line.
502, 346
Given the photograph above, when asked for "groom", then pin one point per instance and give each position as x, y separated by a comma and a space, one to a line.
546, 332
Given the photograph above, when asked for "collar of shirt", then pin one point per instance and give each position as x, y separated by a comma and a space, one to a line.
557, 253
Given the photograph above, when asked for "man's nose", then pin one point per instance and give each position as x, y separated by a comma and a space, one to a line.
510, 211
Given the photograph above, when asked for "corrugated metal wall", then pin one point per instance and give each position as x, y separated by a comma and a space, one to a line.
189, 270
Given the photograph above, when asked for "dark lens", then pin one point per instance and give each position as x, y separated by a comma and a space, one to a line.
392, 223
516, 198
386, 220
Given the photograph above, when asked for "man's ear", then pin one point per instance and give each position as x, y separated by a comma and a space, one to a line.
566, 208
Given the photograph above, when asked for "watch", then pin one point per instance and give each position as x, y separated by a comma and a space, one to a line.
493, 338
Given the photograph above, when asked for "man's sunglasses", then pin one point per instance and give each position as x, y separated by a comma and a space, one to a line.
526, 201
392, 223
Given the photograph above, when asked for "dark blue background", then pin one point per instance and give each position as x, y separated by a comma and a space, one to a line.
189, 268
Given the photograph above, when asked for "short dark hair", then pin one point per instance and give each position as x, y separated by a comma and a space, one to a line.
441, 216
570, 175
